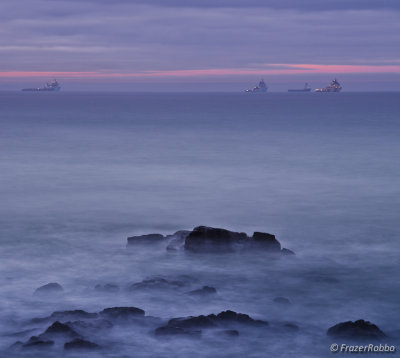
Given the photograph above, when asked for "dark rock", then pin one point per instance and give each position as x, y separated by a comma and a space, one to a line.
53, 287
122, 313
93, 325
356, 330
266, 241
58, 328
192, 322
231, 316
108, 287
158, 283
206, 239
146, 239
282, 301
66, 316
204, 291
36, 342
287, 252
80, 344
226, 318
176, 331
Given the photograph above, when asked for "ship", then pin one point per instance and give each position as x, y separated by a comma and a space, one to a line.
261, 88
333, 87
53, 86
306, 88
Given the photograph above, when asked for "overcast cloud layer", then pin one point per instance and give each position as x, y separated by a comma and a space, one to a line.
99, 40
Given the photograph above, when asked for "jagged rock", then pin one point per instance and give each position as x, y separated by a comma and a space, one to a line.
108, 287
223, 319
231, 316
266, 241
80, 344
158, 283
52, 287
204, 291
356, 330
66, 316
59, 329
122, 313
282, 301
146, 239
206, 239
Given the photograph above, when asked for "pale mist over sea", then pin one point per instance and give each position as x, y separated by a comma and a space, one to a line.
80, 172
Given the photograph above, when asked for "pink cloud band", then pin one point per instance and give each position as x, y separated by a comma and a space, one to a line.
269, 69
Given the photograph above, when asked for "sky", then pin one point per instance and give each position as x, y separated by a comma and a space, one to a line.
200, 44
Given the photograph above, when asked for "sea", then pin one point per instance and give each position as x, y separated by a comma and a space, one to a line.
82, 171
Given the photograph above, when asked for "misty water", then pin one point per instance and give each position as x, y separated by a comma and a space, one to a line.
80, 172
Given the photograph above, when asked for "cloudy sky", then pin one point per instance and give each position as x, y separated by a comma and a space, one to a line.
203, 44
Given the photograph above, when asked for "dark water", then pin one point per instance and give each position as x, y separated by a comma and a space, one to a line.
81, 171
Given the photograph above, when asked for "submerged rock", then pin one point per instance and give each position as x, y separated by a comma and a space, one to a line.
159, 282
108, 287
66, 316
356, 330
80, 344
282, 301
176, 331
122, 313
228, 333
204, 291
52, 287
36, 342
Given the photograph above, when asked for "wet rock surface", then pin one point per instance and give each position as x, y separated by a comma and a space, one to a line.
356, 330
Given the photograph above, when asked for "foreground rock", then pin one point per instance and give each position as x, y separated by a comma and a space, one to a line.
356, 330
50, 288
194, 324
